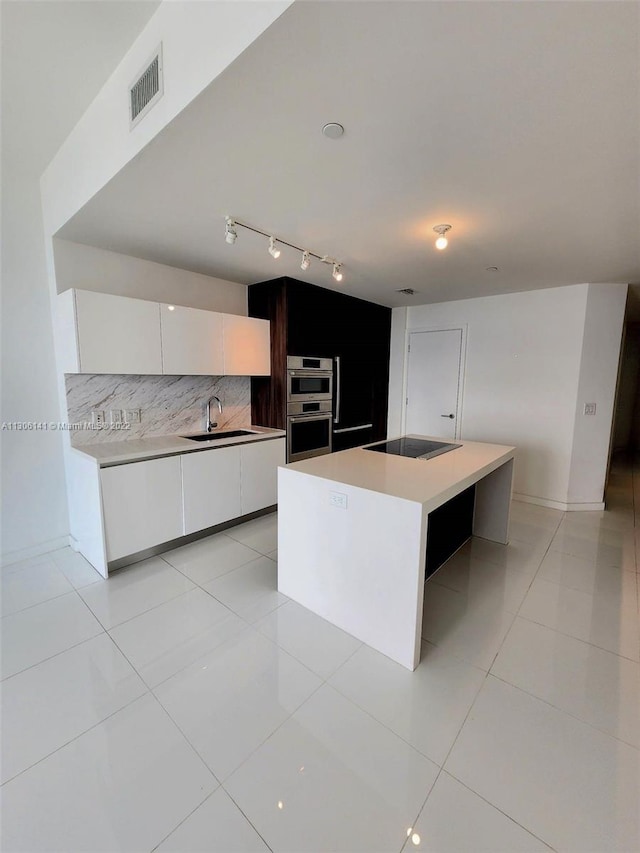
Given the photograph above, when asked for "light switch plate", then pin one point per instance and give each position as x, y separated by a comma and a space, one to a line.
115, 417
589, 408
97, 418
131, 416
338, 499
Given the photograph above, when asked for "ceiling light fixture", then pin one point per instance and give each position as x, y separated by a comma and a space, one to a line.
441, 242
231, 235
273, 250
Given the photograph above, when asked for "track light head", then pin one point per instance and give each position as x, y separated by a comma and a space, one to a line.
273, 249
230, 233
441, 242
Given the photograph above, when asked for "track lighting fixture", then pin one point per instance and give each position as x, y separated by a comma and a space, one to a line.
441, 242
273, 249
231, 235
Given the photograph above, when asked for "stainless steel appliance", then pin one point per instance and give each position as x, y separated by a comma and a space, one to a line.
353, 401
309, 407
308, 430
309, 379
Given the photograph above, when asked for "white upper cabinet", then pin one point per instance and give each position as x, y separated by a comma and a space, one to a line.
191, 341
247, 348
117, 334
109, 334
103, 333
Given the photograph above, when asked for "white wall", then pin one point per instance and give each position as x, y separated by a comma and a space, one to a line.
199, 40
523, 362
89, 268
604, 323
34, 507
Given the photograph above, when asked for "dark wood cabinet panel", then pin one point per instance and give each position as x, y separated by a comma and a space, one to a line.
313, 321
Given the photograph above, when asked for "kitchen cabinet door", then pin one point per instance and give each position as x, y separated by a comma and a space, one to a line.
259, 473
192, 341
116, 334
247, 346
211, 487
142, 505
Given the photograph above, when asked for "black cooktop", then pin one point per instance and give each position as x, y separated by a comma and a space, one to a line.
416, 448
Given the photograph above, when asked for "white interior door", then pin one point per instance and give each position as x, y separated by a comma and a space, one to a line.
433, 381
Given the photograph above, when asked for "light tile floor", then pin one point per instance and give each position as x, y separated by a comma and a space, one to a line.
185, 705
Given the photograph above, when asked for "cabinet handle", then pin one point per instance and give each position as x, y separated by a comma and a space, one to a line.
336, 419
447, 416
352, 429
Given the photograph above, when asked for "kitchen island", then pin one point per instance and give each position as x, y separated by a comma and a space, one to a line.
353, 529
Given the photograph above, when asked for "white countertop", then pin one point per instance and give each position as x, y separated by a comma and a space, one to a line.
426, 481
137, 449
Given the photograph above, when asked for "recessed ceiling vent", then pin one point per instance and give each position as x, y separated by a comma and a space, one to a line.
146, 90
409, 291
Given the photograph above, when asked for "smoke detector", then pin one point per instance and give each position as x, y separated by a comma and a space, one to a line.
333, 130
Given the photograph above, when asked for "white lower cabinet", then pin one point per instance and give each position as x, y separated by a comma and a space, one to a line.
145, 504
142, 505
259, 473
211, 487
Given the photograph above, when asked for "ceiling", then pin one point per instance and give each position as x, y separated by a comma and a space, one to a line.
517, 123
55, 58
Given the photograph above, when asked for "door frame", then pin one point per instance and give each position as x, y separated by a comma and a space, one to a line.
462, 368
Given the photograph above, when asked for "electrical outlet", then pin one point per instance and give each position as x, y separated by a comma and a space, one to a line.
131, 416
589, 408
97, 418
115, 417
338, 499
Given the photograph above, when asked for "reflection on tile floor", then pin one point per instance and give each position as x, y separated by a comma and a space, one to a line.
186, 705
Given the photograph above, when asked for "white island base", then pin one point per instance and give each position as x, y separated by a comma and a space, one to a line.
352, 534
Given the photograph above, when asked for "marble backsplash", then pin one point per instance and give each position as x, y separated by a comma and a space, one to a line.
168, 404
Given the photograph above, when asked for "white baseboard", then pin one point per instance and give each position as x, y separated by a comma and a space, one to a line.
35, 550
595, 507
560, 505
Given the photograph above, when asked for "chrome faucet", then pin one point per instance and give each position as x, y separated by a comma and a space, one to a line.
211, 425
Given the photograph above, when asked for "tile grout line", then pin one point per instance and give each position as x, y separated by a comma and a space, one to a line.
564, 711
475, 699
37, 604
78, 736
488, 673
579, 639
323, 682
62, 651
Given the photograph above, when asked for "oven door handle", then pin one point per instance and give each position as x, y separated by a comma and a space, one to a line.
310, 417
336, 420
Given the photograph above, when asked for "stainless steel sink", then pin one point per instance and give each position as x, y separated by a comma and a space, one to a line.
212, 436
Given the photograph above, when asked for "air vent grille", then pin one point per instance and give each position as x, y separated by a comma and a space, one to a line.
147, 89
408, 290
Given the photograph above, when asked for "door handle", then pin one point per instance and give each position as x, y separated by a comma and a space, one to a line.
447, 416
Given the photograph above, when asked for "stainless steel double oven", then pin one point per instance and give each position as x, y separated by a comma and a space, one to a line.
309, 407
